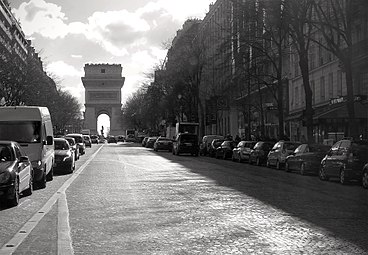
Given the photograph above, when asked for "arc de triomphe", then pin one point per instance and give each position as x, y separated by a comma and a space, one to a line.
103, 83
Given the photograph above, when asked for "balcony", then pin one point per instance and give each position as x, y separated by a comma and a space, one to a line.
4, 12
4, 30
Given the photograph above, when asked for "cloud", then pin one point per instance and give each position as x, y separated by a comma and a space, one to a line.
61, 69
76, 56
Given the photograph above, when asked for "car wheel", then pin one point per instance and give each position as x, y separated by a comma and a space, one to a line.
302, 169
342, 177
322, 173
50, 175
29, 191
287, 169
365, 179
258, 161
268, 163
14, 201
278, 167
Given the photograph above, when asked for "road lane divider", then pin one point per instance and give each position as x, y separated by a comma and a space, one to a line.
64, 238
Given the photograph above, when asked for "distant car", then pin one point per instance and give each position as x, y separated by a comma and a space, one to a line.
242, 151
151, 141
64, 156
214, 144
259, 153
186, 143
345, 160
94, 139
87, 141
112, 139
130, 138
365, 176
144, 141
81, 144
121, 138
163, 143
225, 150
16, 172
306, 158
279, 152
206, 143
74, 146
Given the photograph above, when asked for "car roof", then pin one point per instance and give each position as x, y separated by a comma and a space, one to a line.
74, 134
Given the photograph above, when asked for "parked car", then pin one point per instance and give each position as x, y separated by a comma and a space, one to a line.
214, 144
163, 143
87, 141
345, 160
279, 152
74, 146
144, 141
365, 176
130, 138
94, 139
225, 150
16, 172
186, 143
64, 156
79, 139
204, 147
112, 139
259, 153
306, 158
242, 151
151, 141
121, 138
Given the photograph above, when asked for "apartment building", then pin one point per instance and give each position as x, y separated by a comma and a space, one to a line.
329, 89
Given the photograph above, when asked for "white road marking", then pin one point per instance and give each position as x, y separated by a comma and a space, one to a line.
63, 216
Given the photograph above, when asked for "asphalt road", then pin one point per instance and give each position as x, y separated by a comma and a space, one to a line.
125, 199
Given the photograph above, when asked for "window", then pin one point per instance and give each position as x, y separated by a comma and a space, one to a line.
296, 95
103, 70
322, 88
339, 83
330, 85
313, 88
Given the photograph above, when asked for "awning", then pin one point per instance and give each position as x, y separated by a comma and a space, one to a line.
341, 112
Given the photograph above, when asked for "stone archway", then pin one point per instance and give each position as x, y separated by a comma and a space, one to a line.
103, 83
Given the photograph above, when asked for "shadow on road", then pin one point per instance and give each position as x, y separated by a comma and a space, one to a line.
341, 210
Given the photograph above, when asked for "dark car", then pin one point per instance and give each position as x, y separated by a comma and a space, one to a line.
64, 156
242, 151
365, 176
121, 138
206, 143
345, 160
279, 152
151, 141
163, 143
225, 150
306, 158
79, 139
74, 146
94, 139
214, 144
112, 139
144, 141
87, 141
16, 172
260, 152
186, 143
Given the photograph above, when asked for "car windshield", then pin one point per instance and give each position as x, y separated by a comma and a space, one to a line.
77, 139
21, 131
189, 138
70, 141
61, 145
291, 146
5, 153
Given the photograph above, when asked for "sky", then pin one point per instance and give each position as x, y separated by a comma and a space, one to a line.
70, 33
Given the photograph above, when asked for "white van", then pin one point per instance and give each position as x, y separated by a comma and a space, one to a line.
31, 127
